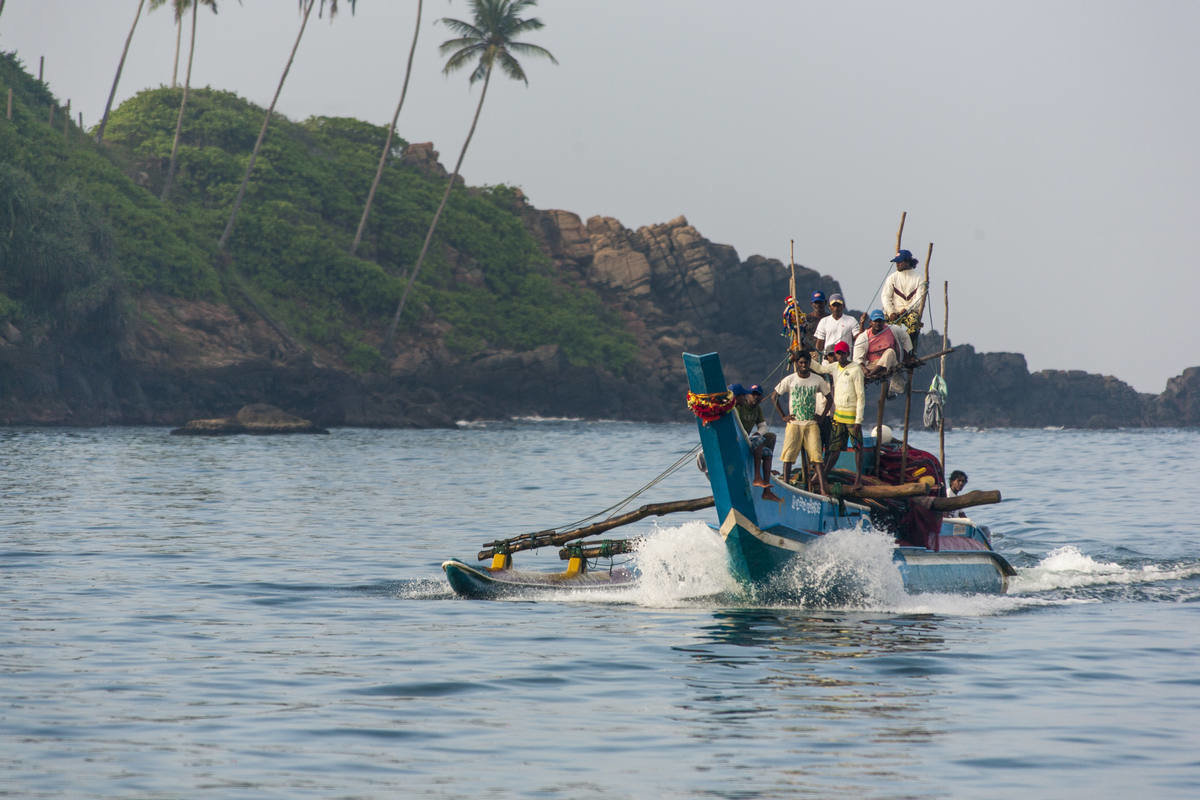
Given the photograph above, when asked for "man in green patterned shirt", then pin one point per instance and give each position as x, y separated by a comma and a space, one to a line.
802, 436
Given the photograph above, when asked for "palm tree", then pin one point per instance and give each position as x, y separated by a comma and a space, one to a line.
306, 7
120, 66
387, 145
489, 40
180, 5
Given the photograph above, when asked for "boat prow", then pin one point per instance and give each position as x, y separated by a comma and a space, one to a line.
488, 583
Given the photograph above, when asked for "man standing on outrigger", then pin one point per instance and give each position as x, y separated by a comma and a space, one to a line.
849, 401
904, 293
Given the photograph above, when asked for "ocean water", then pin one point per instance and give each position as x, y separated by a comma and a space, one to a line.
266, 618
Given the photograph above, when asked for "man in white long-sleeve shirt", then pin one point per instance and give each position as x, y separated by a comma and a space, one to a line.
904, 293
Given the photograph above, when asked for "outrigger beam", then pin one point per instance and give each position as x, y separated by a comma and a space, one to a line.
552, 538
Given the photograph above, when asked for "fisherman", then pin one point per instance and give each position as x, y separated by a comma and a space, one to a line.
849, 400
802, 435
958, 481
762, 441
881, 348
837, 327
904, 293
819, 311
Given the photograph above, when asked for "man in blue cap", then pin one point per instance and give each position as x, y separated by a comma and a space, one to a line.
881, 348
904, 293
819, 311
762, 442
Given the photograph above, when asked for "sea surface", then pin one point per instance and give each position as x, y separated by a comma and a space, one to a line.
267, 618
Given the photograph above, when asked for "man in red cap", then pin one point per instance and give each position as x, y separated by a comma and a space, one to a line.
849, 401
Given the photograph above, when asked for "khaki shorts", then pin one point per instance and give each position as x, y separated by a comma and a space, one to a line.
804, 434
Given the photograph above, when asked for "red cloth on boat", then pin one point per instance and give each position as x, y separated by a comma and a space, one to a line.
921, 524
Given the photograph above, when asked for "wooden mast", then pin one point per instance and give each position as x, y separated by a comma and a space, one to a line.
795, 300
945, 338
900, 232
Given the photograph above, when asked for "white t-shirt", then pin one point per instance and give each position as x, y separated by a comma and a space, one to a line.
837, 330
805, 395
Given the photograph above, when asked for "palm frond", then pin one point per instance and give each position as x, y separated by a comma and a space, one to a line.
511, 67
527, 49
461, 28
451, 45
463, 57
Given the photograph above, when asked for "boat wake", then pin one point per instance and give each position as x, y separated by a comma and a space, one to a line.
1068, 568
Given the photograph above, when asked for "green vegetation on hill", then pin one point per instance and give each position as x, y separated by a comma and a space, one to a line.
485, 275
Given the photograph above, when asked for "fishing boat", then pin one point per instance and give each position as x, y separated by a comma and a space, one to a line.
766, 538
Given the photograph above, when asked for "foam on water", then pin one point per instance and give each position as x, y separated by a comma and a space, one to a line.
1067, 567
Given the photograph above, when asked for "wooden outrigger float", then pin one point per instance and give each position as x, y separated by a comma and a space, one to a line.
500, 579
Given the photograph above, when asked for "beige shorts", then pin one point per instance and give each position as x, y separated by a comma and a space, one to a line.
804, 434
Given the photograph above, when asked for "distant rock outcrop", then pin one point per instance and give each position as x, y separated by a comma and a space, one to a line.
258, 419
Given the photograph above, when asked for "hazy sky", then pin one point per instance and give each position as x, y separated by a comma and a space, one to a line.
1048, 148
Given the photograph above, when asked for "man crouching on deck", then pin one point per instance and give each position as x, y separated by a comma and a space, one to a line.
762, 442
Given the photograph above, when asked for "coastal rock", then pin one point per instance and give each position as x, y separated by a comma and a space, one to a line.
256, 418
422, 156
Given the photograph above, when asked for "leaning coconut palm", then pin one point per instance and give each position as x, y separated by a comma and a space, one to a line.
488, 41
306, 7
387, 145
121, 66
180, 5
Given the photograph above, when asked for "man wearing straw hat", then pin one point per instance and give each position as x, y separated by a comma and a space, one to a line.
904, 293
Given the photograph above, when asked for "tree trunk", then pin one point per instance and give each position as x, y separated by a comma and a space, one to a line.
237, 202
178, 36
391, 331
117, 79
387, 145
187, 83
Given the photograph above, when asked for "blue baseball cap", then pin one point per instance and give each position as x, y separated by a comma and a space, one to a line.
878, 313
903, 256
738, 390
756, 389
818, 295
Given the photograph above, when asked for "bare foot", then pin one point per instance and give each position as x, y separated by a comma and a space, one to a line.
760, 482
769, 495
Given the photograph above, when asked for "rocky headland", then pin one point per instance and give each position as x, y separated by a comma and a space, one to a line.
673, 289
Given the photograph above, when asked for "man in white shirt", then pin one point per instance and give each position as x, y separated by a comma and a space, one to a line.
837, 327
904, 293
802, 436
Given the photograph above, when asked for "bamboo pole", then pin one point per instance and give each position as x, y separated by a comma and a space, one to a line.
883, 387
900, 232
907, 414
67, 119
795, 300
41, 66
945, 340
10, 103
529, 541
